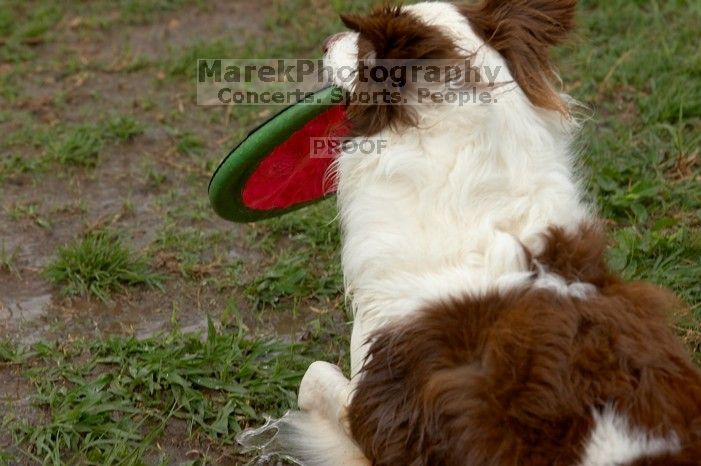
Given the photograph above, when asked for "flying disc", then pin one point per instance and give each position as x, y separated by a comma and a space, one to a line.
283, 164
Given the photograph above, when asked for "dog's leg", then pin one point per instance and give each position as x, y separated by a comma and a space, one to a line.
325, 391
318, 434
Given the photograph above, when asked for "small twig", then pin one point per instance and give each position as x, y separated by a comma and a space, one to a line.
102, 222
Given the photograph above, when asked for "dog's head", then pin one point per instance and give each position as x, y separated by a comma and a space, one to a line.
397, 62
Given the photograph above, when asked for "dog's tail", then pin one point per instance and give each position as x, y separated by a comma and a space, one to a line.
307, 439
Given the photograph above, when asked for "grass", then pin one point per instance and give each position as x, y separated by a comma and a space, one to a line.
122, 128
15, 165
118, 400
188, 143
99, 265
308, 268
185, 251
109, 401
29, 211
8, 260
81, 145
22, 27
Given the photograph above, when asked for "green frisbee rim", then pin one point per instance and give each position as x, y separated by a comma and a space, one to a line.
226, 186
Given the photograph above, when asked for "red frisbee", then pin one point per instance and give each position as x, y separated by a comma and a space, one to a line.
284, 164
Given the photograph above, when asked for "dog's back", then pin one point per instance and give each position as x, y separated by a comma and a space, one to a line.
534, 377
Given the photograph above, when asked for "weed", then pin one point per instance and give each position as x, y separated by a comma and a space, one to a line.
99, 265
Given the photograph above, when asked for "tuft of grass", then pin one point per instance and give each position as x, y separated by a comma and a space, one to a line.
14, 165
80, 146
669, 257
108, 402
7, 19
99, 265
122, 128
189, 144
290, 277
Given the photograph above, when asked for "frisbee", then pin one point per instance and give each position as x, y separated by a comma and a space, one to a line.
283, 164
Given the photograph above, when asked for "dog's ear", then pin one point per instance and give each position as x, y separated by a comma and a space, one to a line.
352, 22
523, 32
392, 33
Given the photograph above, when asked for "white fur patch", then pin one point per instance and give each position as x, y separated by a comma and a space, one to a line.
342, 58
615, 443
556, 283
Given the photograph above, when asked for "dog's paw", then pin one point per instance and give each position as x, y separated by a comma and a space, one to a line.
324, 390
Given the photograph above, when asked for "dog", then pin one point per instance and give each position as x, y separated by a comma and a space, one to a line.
488, 329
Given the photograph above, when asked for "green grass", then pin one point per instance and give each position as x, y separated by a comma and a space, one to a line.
142, 11
184, 63
668, 256
8, 260
122, 128
109, 401
22, 27
99, 265
642, 148
307, 268
81, 145
187, 251
187, 143
16, 165
29, 211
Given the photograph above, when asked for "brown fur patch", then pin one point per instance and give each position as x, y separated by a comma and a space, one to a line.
523, 32
511, 380
578, 256
392, 35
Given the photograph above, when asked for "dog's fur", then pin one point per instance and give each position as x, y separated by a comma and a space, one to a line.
488, 329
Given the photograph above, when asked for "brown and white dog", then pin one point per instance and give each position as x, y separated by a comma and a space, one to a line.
488, 329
